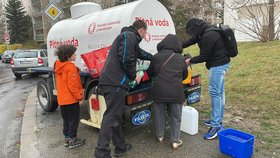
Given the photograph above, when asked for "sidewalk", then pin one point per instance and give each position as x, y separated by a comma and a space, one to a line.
29, 140
41, 137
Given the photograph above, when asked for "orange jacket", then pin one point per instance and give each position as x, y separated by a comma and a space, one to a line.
68, 83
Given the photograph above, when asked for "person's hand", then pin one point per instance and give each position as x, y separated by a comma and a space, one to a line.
138, 79
188, 61
80, 102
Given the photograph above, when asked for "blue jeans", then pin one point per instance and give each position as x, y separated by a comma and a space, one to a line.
217, 93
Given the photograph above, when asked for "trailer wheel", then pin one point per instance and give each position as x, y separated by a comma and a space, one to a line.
45, 95
18, 76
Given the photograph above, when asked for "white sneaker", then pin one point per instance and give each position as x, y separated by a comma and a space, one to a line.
176, 145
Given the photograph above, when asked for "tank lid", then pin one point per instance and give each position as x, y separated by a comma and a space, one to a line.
83, 8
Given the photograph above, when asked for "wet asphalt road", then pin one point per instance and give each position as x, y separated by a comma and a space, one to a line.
143, 141
13, 94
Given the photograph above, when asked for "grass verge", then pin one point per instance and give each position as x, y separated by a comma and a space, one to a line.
252, 93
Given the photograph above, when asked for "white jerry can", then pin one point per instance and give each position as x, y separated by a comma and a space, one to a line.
97, 107
189, 120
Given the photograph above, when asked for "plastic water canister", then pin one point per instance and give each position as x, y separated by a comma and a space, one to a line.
189, 120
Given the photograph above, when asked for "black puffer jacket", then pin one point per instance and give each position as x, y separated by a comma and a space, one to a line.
167, 86
211, 44
120, 65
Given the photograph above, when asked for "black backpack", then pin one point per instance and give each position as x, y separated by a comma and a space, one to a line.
229, 38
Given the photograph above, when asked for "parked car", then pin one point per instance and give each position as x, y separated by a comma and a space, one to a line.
25, 59
2, 57
7, 56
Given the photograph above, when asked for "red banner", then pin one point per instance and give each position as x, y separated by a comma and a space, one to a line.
95, 60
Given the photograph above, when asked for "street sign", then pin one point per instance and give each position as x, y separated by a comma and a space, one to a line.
7, 42
6, 37
53, 11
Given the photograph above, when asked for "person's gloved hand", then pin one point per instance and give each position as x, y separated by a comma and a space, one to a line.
132, 84
137, 80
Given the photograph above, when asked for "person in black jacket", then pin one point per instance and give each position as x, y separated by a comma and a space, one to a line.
213, 52
118, 71
167, 89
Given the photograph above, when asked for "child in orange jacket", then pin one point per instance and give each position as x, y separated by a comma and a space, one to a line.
69, 94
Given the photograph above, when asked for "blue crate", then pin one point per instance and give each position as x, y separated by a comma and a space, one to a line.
236, 143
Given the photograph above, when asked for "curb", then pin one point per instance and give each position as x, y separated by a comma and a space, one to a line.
29, 140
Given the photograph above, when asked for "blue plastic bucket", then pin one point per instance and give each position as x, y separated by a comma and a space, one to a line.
236, 143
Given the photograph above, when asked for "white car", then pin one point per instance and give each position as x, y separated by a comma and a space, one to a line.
25, 59
7, 56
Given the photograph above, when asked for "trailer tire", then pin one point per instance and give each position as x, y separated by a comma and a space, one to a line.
45, 95
18, 76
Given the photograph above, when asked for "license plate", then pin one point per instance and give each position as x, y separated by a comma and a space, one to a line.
25, 62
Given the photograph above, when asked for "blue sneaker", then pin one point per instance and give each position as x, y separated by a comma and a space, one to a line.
212, 133
207, 122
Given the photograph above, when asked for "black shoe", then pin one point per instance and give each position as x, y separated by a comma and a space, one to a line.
76, 142
127, 148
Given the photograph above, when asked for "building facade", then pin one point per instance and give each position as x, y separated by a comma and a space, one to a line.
27, 5
250, 21
41, 23
2, 22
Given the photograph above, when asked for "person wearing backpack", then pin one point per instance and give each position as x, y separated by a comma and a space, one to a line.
213, 52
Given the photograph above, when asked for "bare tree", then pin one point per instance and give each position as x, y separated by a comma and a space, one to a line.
256, 18
271, 20
212, 11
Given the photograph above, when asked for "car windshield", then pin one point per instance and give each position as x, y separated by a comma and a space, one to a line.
31, 54
10, 53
